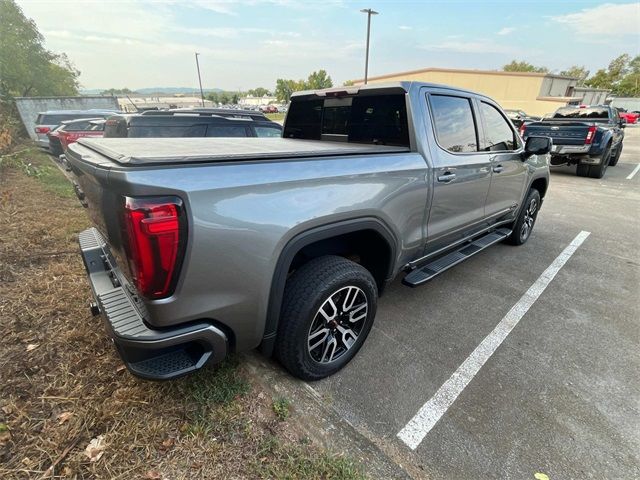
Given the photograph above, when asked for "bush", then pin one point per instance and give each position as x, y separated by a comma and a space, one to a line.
11, 128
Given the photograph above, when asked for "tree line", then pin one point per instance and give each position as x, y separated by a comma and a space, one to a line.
621, 76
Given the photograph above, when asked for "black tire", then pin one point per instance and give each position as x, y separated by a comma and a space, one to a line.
614, 159
311, 288
582, 170
526, 219
597, 171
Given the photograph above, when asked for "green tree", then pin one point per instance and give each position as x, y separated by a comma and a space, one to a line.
315, 80
285, 87
629, 84
318, 80
600, 79
522, 66
581, 73
213, 96
347, 83
615, 76
259, 92
26, 67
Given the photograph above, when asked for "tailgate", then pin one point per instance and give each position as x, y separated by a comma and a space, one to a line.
573, 133
104, 203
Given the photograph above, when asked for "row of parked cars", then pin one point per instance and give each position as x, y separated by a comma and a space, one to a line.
55, 130
587, 136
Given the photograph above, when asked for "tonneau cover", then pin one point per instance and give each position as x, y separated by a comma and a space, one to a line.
145, 151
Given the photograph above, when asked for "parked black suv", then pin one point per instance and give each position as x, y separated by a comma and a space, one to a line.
173, 124
220, 112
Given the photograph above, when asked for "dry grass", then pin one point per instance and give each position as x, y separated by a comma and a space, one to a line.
62, 384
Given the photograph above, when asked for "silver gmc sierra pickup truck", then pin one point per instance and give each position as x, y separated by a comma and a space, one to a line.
206, 246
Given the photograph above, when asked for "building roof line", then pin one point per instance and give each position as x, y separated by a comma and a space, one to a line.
461, 70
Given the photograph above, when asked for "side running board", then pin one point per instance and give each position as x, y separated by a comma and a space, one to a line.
423, 274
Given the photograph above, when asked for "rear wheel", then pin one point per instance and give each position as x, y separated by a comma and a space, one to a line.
614, 159
328, 309
526, 219
582, 170
596, 171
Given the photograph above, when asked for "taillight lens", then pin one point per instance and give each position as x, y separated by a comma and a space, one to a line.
42, 129
523, 129
155, 237
590, 134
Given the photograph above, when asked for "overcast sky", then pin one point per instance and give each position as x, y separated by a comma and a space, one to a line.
250, 43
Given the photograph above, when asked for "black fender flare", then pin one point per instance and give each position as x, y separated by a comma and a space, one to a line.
298, 242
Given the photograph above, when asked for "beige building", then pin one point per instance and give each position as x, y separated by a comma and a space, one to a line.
535, 93
250, 100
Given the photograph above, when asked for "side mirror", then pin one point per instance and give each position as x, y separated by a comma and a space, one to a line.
623, 123
537, 146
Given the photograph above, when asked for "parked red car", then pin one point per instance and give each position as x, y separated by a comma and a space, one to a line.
70, 131
269, 109
630, 117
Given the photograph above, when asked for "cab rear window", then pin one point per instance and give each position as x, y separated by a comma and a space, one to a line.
590, 112
377, 119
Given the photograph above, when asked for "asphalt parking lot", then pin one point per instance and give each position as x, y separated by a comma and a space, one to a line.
560, 395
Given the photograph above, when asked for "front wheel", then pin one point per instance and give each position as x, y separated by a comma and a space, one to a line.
526, 219
328, 310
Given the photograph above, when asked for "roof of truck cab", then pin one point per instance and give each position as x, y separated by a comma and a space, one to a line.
150, 151
405, 86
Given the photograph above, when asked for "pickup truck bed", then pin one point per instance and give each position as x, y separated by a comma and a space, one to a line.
139, 151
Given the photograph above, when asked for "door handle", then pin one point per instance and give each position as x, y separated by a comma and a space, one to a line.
447, 177
498, 168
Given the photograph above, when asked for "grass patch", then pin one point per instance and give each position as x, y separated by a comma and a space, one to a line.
202, 388
293, 461
281, 408
35, 163
276, 117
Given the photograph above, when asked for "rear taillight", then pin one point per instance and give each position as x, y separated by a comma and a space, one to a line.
155, 237
523, 129
43, 129
590, 134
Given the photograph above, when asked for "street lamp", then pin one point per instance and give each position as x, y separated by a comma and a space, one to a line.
199, 79
369, 12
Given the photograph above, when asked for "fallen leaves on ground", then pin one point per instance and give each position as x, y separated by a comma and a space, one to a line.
64, 416
95, 449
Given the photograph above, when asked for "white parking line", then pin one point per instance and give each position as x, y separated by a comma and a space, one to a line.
632, 174
419, 426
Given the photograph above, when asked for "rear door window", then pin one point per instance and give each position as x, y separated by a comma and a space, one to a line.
167, 131
498, 135
454, 123
268, 132
227, 131
78, 126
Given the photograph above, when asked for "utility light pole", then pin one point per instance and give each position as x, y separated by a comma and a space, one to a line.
369, 12
199, 79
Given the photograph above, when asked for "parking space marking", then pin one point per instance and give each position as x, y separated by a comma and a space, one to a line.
430, 413
632, 174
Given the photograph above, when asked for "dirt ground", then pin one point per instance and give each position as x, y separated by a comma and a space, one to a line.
69, 408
